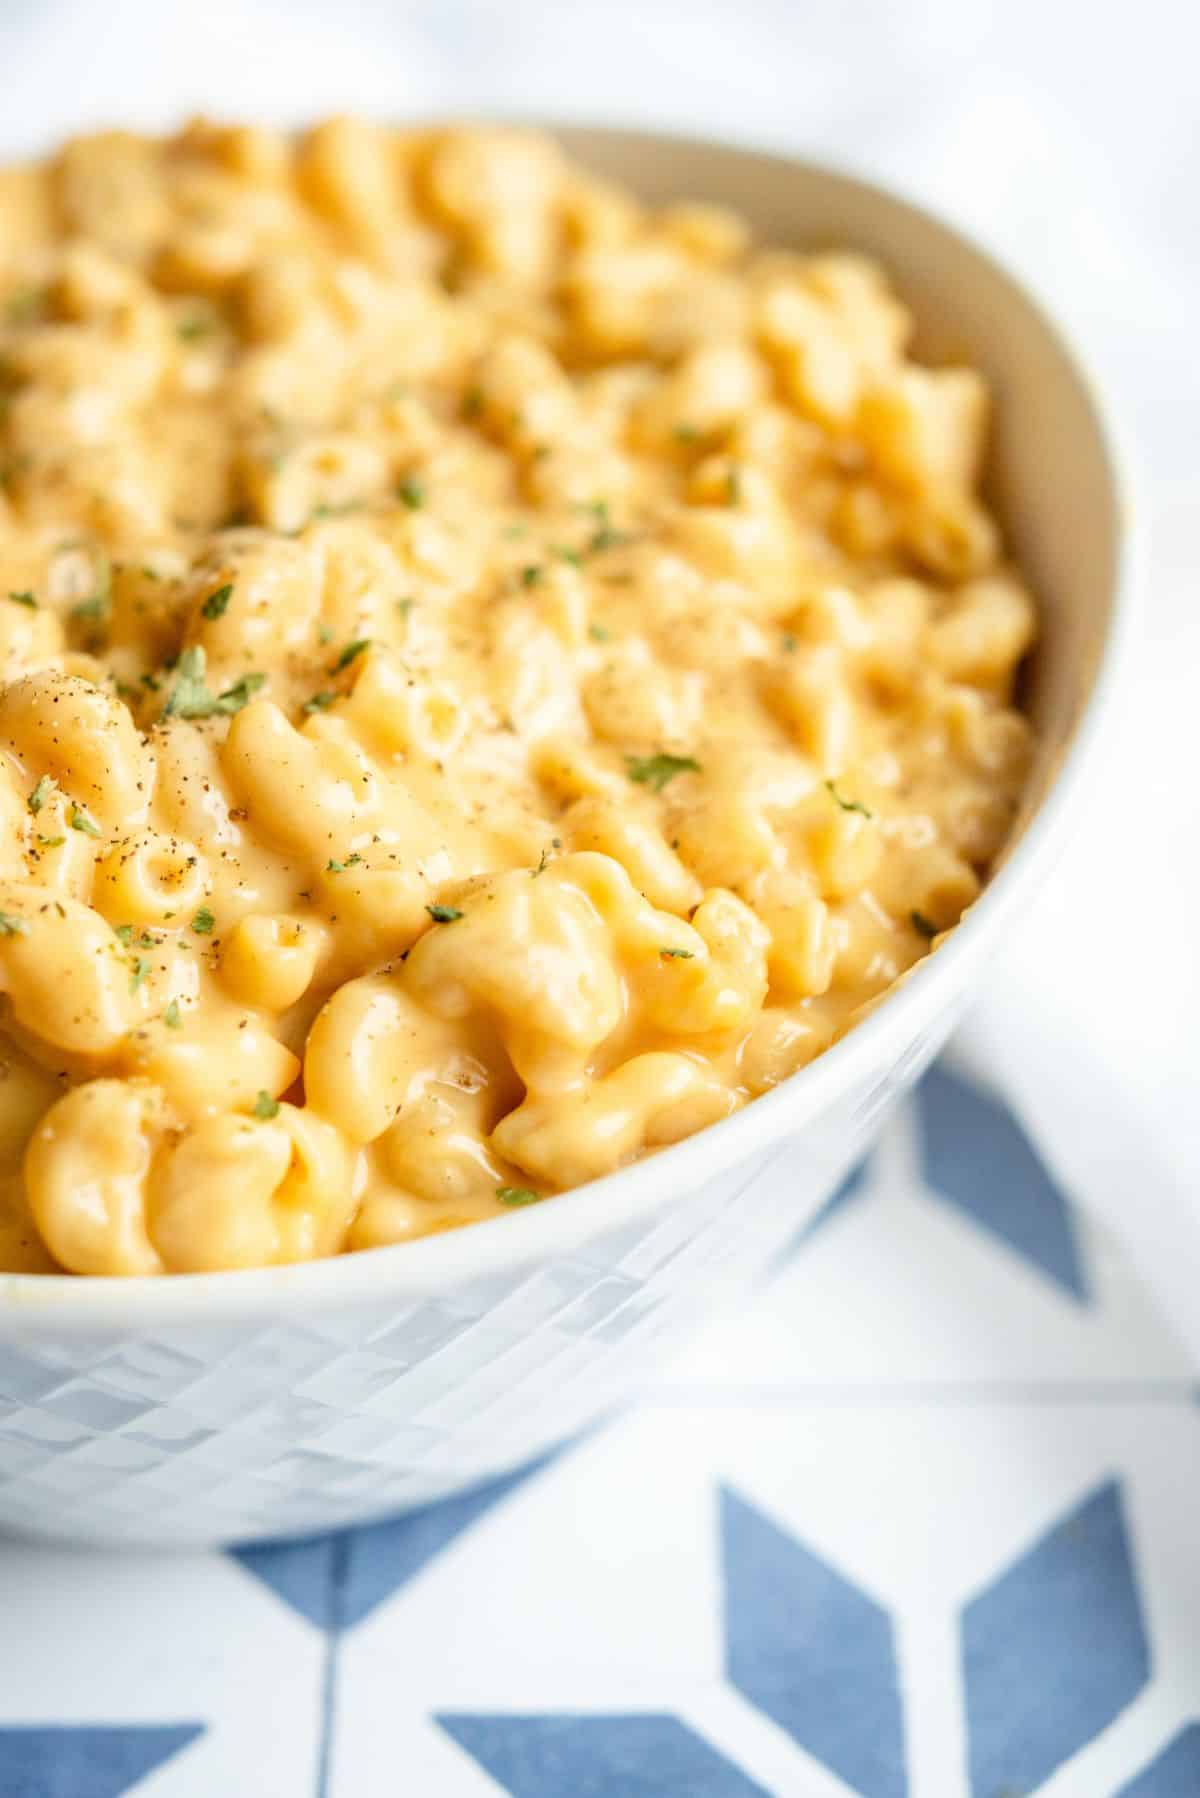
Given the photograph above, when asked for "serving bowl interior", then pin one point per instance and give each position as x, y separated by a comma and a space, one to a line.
283, 1399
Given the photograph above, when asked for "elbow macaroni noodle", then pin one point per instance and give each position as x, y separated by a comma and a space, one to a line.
492, 678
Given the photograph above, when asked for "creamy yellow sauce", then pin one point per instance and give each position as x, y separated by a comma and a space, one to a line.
494, 678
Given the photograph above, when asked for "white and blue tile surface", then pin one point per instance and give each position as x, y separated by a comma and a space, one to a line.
920, 1523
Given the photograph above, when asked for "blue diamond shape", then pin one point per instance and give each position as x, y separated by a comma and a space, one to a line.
977, 1158
1174, 1774
1054, 1649
71, 1760
337, 1580
647, 1755
812, 1651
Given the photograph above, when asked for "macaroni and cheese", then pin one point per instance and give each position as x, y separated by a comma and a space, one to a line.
494, 678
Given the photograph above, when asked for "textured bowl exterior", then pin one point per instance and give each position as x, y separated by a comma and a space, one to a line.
239, 1406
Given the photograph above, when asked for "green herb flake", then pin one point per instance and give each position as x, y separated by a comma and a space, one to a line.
847, 805
240, 694
92, 611
598, 633
40, 794
10, 925
531, 575
190, 330
140, 969
171, 1016
654, 771
517, 1195
349, 653
678, 954
217, 604
443, 914
203, 922
26, 306
265, 1106
411, 493
319, 702
80, 819
686, 434
922, 925
472, 402
405, 606
351, 861
789, 643
565, 553
733, 487
51, 842
124, 933
190, 697
24, 599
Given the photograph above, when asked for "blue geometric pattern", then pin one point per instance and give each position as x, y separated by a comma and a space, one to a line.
781, 1662
812, 1651
85, 1760
1054, 1650
977, 1158
640, 1756
1175, 1773
850, 1187
337, 1580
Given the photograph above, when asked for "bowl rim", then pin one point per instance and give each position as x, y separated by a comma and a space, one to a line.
432, 1264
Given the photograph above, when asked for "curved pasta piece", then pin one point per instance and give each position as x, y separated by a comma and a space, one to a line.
249, 1192
85, 1174
83, 738
66, 975
650, 1100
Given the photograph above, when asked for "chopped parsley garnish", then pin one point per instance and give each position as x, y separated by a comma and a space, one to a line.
24, 599
11, 925
265, 1106
124, 932
443, 914
686, 434
565, 553
405, 606
678, 954
171, 1017
654, 771
847, 805
40, 794
203, 922
531, 575
733, 487
319, 702
789, 642
472, 402
199, 325
350, 652
332, 867
25, 306
598, 633
79, 819
411, 493
217, 604
517, 1195
190, 698
92, 611
923, 925
606, 535
141, 968
51, 842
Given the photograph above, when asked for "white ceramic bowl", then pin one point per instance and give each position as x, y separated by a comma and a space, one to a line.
230, 1406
